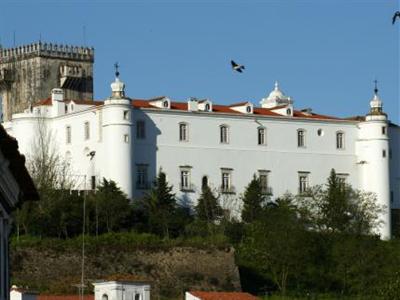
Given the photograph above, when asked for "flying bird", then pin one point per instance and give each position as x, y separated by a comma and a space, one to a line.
91, 154
396, 15
237, 67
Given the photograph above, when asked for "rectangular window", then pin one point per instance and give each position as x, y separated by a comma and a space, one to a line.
183, 132
87, 131
383, 130
263, 177
383, 153
339, 140
303, 182
301, 138
68, 134
185, 180
141, 177
126, 138
226, 181
140, 130
126, 114
224, 134
261, 136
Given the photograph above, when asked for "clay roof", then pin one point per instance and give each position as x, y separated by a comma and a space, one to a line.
239, 104
9, 148
142, 103
64, 297
44, 102
223, 295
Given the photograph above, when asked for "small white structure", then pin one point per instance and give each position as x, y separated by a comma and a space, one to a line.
121, 290
17, 293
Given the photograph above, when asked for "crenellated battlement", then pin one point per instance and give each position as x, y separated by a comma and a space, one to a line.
47, 50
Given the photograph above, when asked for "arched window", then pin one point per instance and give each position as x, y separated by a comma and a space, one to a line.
104, 297
165, 104
183, 132
207, 108
301, 138
289, 112
137, 296
248, 109
261, 135
224, 134
339, 140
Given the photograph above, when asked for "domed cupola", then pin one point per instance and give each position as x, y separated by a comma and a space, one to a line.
376, 105
275, 98
117, 87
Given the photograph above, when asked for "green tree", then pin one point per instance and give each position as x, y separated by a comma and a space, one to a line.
253, 201
113, 207
338, 208
160, 206
276, 244
208, 208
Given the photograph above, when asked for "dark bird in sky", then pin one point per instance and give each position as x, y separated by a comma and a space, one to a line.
396, 15
91, 154
237, 67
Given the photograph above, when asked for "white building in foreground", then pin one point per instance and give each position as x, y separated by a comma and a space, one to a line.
199, 142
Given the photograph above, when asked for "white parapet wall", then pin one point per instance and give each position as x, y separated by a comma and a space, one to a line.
121, 290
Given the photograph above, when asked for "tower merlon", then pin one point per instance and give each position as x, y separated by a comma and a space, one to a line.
47, 50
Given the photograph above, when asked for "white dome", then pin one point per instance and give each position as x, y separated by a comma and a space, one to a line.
376, 102
118, 88
276, 93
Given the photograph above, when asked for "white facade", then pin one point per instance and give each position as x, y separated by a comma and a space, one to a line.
121, 290
129, 141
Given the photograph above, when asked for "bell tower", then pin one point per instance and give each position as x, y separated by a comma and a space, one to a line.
28, 74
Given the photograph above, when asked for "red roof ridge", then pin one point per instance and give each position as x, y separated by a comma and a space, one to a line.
239, 103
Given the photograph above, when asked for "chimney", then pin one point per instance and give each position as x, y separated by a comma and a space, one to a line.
57, 95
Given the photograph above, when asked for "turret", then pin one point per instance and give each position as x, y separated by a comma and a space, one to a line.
117, 137
57, 102
372, 158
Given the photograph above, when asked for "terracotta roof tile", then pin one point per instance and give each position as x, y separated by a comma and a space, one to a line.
223, 295
239, 104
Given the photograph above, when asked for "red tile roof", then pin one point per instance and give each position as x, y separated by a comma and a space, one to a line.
64, 297
227, 109
239, 104
141, 103
223, 295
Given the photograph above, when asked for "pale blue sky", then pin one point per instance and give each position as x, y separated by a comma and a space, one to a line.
324, 53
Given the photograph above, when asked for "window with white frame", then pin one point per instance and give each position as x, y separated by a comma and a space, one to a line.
339, 140
126, 138
140, 130
185, 183
301, 138
303, 182
68, 134
226, 181
87, 130
141, 176
263, 178
224, 134
261, 132
183, 132
384, 130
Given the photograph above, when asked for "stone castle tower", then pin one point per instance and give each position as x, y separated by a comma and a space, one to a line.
29, 73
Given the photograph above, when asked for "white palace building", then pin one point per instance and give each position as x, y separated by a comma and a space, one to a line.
200, 142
